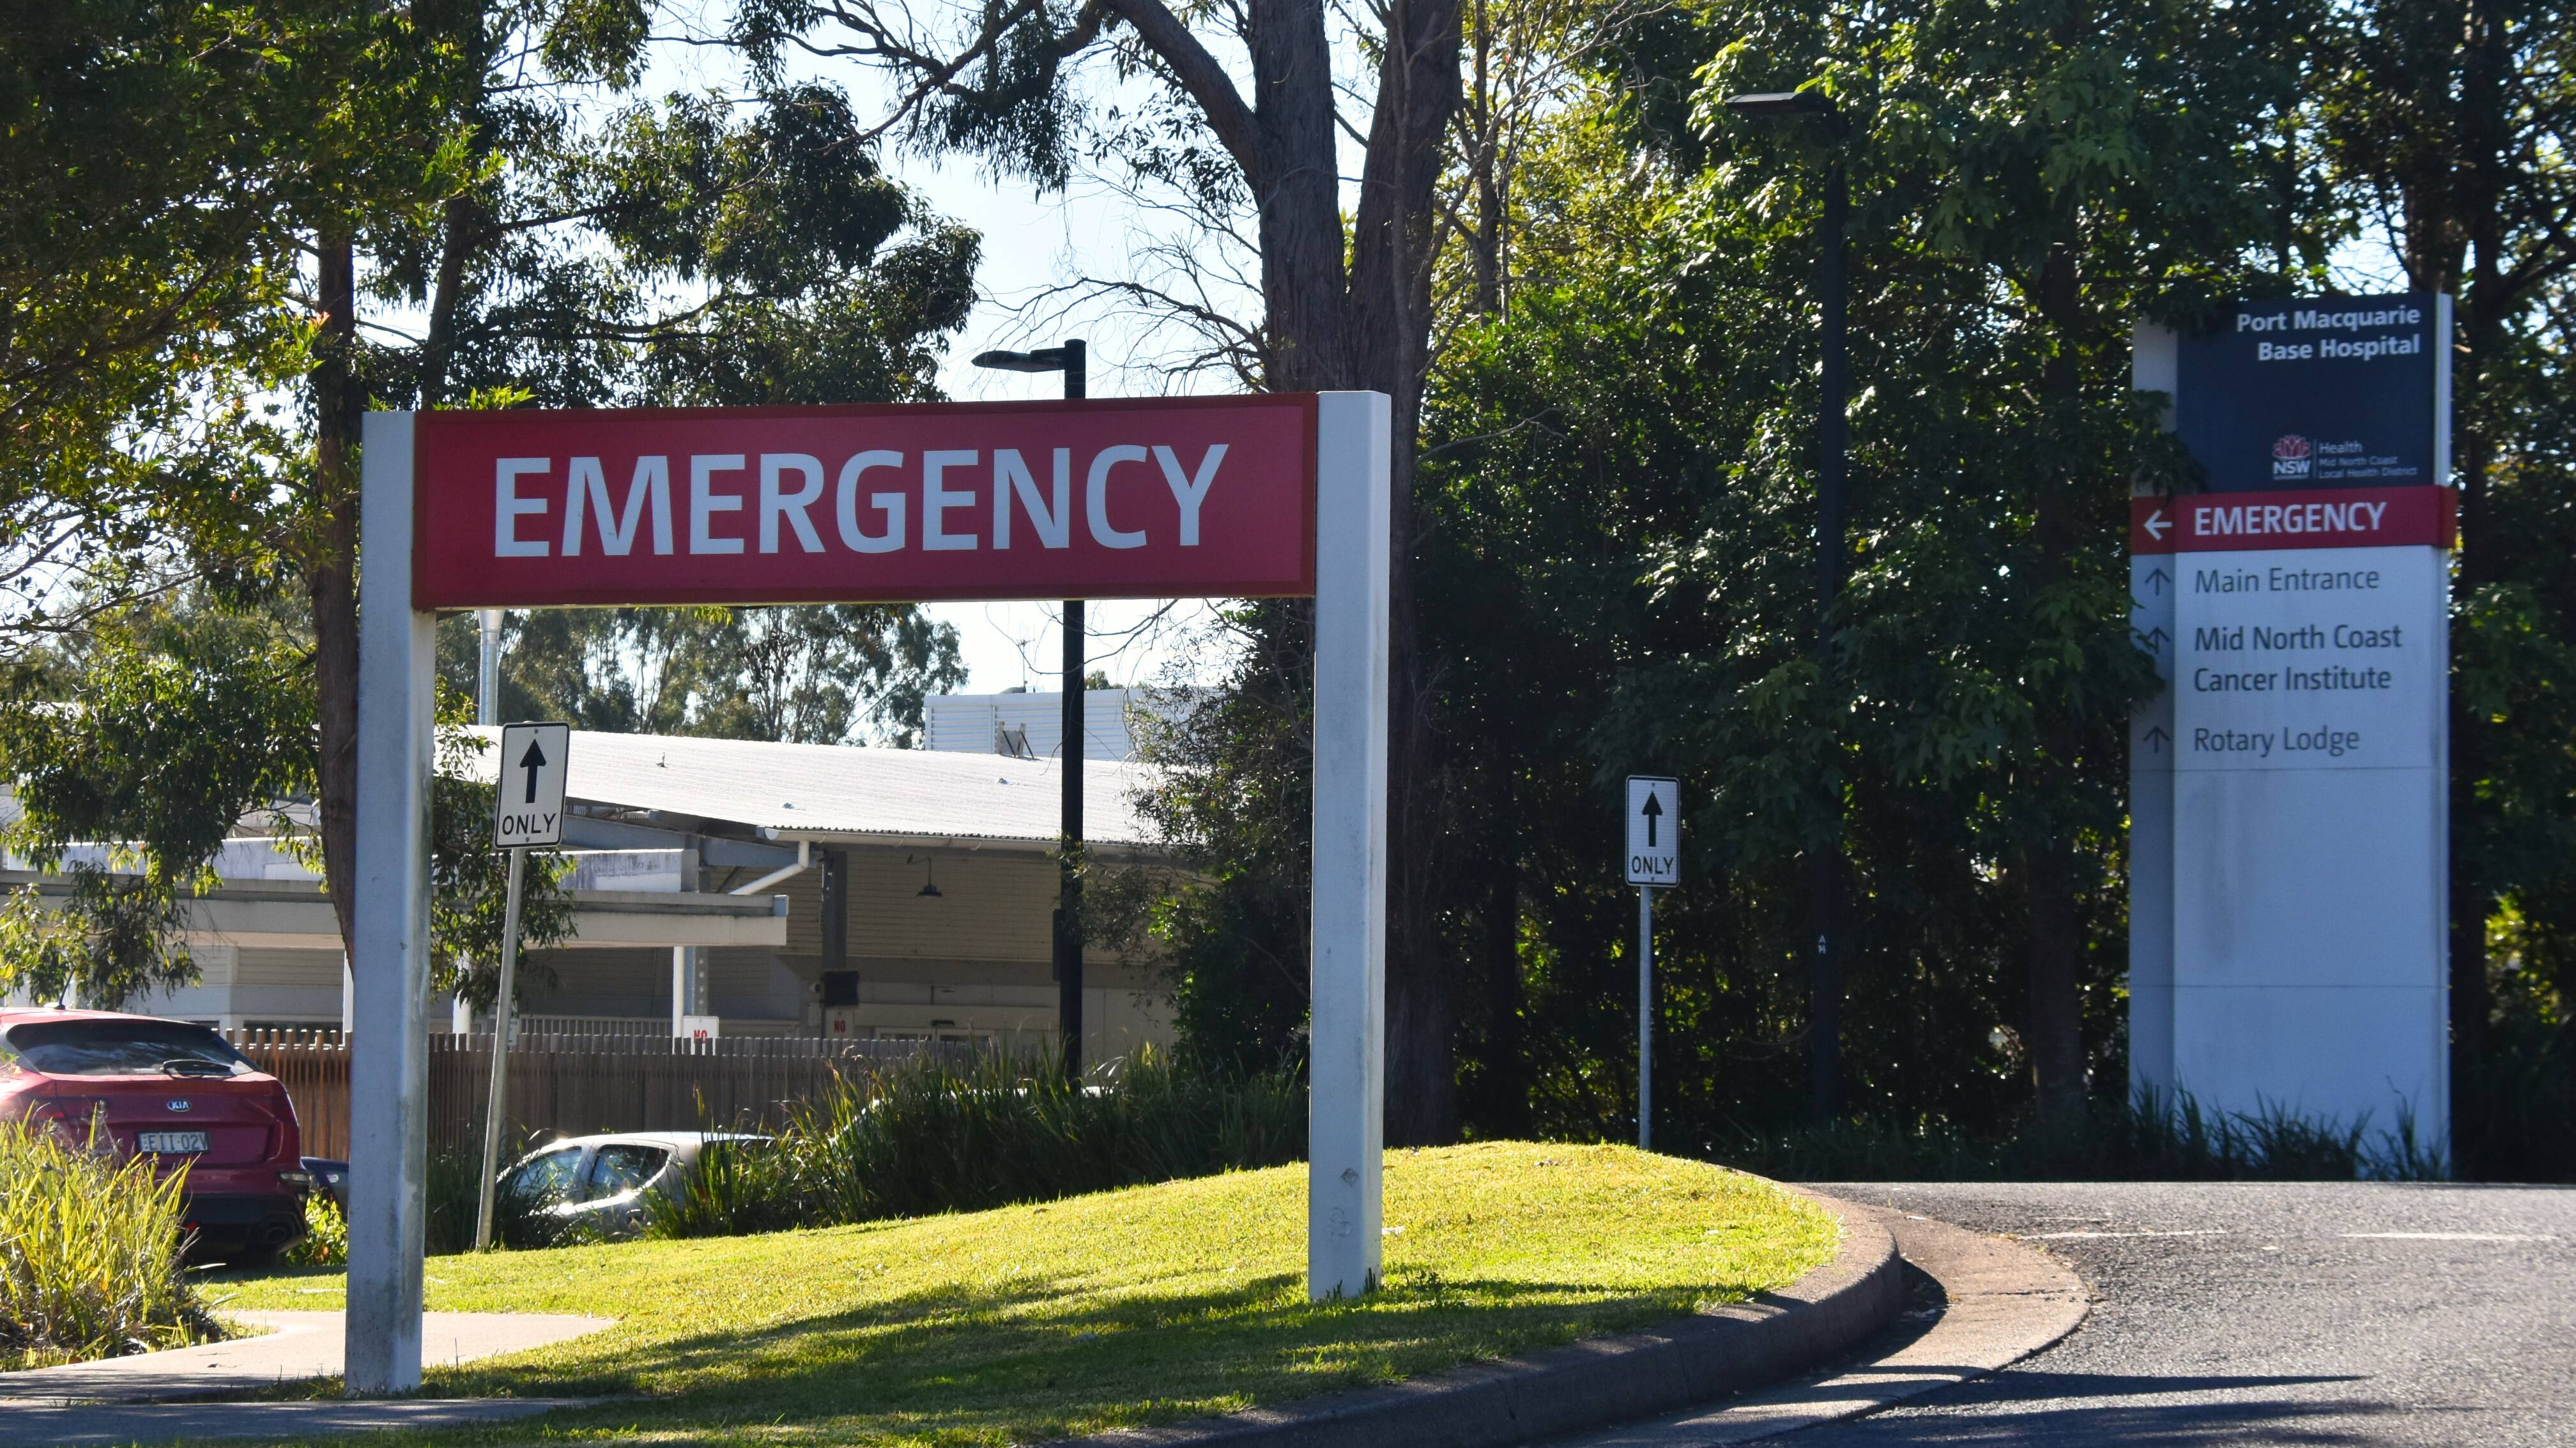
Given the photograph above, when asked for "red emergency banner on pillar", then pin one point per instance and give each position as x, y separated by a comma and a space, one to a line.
1150, 498
2308, 518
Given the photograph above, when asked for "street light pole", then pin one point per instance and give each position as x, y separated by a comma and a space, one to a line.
1068, 883
1825, 983
1833, 447
1072, 360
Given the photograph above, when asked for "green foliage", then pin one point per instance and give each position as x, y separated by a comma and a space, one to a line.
470, 880
822, 674
137, 754
2142, 1138
174, 728
325, 1242
942, 1135
1234, 808
89, 1253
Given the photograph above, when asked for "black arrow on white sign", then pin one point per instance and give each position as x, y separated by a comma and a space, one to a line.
532, 761
1653, 811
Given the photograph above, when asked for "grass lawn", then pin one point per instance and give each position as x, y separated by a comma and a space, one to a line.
1131, 1307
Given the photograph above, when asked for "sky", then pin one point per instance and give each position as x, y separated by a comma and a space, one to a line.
1032, 245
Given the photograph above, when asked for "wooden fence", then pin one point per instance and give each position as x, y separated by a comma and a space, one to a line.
575, 1085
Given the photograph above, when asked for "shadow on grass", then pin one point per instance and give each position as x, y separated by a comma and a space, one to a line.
1036, 1357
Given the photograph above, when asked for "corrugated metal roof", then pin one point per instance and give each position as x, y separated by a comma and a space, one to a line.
827, 791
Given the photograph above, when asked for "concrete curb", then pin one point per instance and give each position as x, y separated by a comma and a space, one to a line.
1820, 1317
1983, 1304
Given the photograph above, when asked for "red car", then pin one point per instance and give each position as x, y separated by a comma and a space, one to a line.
179, 1094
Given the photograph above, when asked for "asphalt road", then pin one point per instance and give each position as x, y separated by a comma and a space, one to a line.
2323, 1314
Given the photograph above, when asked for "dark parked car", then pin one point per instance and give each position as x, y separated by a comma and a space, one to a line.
178, 1094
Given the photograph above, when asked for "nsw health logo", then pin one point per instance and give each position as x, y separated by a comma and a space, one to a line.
2289, 457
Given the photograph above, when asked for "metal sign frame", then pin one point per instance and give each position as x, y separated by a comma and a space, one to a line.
1346, 537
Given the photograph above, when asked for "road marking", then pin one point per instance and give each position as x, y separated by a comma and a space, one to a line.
2451, 1236
2088, 1236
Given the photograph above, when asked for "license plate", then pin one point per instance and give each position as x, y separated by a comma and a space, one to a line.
172, 1142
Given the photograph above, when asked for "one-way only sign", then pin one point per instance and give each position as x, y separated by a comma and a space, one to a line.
1654, 830
529, 808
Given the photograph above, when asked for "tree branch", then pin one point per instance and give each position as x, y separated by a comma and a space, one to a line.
1205, 80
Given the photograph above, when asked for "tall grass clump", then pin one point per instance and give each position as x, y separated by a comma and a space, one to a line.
2147, 1137
89, 1254
947, 1134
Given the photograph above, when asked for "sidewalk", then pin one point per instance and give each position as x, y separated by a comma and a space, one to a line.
138, 1399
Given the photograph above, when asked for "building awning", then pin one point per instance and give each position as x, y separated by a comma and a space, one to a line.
827, 792
296, 915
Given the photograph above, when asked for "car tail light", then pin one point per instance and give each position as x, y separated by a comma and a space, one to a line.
63, 1114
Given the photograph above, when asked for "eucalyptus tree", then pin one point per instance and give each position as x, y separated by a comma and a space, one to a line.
817, 674
1250, 107
479, 231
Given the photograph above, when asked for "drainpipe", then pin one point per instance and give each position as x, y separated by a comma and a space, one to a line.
804, 862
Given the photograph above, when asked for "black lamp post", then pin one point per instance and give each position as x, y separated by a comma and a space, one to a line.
1069, 359
1825, 979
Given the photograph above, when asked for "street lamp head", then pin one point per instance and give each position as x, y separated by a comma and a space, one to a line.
1782, 105
1067, 357
1045, 359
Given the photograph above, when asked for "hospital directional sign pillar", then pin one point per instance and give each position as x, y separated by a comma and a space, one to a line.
1279, 495
1654, 860
2289, 910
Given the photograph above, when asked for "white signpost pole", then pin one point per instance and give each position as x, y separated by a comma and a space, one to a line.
1654, 860
389, 964
527, 813
1645, 1018
497, 1105
1347, 1033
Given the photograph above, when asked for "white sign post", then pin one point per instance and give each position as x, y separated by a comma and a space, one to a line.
1654, 859
527, 812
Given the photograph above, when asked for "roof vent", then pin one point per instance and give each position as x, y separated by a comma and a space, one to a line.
1013, 740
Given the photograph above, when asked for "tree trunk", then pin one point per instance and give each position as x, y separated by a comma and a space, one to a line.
330, 573
438, 346
1295, 179
1390, 311
1352, 310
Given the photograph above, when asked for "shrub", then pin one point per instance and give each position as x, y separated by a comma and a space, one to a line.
2149, 1137
943, 1134
89, 1254
325, 1242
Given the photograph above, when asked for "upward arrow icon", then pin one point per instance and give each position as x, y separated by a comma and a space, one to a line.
532, 761
1653, 810
2156, 581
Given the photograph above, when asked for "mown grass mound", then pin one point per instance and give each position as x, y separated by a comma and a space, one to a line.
1145, 1305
